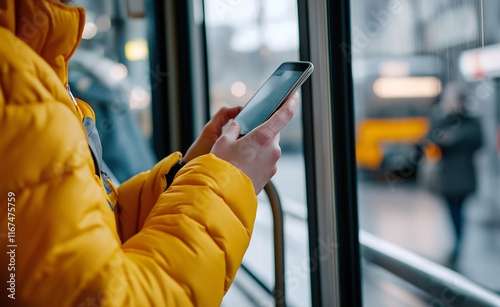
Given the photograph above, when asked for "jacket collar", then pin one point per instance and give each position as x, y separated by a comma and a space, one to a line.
50, 28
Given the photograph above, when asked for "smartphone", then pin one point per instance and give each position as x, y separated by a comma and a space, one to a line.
276, 90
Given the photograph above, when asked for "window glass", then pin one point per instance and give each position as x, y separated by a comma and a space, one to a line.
426, 89
246, 42
110, 71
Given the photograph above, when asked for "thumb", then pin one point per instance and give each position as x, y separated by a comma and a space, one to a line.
233, 130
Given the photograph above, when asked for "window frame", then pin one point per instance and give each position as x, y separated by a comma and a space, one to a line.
179, 74
329, 142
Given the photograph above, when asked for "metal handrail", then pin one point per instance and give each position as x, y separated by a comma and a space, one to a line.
279, 249
279, 244
446, 286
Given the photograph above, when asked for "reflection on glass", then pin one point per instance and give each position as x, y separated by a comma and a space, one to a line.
246, 42
425, 77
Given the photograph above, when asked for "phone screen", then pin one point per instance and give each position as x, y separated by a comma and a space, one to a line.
268, 97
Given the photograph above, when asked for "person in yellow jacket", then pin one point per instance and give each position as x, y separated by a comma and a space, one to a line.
65, 239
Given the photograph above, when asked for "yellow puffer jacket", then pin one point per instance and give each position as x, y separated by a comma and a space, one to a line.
180, 247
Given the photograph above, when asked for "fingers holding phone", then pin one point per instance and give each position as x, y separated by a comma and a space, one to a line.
251, 142
284, 114
257, 153
211, 132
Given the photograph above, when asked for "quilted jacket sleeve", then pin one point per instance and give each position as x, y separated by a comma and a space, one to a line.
138, 195
69, 254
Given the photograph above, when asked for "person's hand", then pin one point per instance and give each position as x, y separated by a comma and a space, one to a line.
256, 153
211, 132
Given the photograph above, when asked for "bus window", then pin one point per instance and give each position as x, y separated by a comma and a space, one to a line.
426, 101
110, 71
246, 42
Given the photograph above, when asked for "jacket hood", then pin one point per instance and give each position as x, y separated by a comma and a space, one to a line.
49, 27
